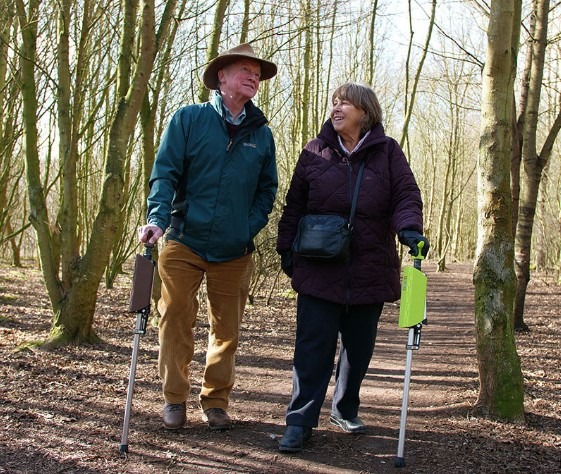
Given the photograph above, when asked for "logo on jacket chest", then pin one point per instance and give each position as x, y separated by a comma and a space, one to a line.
251, 145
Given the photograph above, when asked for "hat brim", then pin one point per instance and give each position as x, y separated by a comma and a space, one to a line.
210, 76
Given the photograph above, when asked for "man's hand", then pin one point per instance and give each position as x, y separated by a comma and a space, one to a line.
149, 234
412, 238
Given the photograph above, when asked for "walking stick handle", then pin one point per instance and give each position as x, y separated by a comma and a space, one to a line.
417, 259
148, 247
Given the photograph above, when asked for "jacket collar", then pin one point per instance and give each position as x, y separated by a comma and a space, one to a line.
253, 114
329, 135
218, 105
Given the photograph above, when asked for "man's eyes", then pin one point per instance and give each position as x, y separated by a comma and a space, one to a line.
246, 69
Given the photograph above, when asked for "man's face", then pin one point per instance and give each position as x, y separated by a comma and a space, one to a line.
240, 80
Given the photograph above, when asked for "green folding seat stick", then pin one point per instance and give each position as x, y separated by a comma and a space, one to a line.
412, 315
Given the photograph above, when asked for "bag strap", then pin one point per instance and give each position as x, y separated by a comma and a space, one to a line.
355, 196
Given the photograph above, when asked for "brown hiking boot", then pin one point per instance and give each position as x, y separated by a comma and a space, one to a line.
175, 415
217, 419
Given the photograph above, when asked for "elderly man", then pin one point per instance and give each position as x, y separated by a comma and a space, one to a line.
211, 190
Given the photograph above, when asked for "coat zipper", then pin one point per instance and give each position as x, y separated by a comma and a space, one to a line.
246, 127
348, 292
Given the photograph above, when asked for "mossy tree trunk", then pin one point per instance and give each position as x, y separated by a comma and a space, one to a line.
74, 320
501, 389
73, 297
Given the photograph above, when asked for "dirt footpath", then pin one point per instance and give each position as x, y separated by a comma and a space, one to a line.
62, 412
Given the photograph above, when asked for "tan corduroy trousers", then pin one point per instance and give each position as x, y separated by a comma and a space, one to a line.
182, 272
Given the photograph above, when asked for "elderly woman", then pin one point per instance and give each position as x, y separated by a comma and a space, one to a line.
343, 300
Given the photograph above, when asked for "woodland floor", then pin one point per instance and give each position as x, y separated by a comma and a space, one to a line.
62, 411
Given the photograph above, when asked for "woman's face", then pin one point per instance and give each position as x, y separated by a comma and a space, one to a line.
346, 117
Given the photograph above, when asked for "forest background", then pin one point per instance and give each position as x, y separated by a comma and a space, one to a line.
470, 89
87, 89
429, 86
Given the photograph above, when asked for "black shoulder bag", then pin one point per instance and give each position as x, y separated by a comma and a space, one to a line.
326, 236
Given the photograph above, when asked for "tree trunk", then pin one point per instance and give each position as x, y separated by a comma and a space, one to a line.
7, 137
68, 144
11, 172
148, 122
212, 51
501, 388
74, 317
318, 115
330, 54
410, 102
39, 216
245, 22
305, 97
532, 162
371, 42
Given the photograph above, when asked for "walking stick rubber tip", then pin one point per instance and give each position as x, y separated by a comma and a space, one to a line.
124, 448
399, 462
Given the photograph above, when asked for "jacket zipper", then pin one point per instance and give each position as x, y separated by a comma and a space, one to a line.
246, 127
348, 264
237, 138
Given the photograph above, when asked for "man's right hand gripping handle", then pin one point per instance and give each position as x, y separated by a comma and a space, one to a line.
149, 234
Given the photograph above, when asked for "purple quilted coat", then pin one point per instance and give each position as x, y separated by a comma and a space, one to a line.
389, 201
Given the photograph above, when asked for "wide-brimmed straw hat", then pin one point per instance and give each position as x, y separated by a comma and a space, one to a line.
243, 51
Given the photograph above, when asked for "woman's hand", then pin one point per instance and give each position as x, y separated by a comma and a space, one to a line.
412, 238
287, 264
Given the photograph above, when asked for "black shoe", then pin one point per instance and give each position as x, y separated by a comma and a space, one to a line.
294, 438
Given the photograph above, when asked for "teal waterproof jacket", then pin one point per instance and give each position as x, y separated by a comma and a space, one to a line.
208, 190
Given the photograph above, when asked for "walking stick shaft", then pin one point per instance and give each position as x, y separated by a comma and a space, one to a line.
405, 403
140, 330
124, 448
